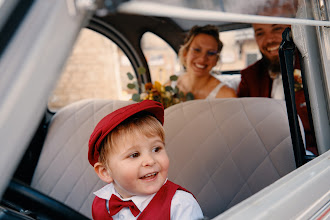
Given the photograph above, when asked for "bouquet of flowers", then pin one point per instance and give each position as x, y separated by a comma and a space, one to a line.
167, 95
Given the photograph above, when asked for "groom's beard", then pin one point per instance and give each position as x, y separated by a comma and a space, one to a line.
273, 65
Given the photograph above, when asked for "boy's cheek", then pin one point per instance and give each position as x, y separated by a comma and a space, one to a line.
166, 163
165, 158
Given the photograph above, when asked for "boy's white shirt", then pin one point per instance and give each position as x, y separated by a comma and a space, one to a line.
183, 205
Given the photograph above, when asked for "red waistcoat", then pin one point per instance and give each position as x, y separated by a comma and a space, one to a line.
159, 207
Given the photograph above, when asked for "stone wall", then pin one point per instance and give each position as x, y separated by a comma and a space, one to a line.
92, 71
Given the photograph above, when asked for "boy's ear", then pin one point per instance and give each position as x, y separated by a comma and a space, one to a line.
103, 172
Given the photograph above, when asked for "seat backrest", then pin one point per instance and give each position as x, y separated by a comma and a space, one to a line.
225, 150
222, 150
63, 171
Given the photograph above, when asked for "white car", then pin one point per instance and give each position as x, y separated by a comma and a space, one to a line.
248, 167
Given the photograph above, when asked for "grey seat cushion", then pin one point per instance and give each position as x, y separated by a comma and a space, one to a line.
63, 171
225, 150
222, 150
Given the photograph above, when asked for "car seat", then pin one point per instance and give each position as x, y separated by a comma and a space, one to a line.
222, 150
225, 150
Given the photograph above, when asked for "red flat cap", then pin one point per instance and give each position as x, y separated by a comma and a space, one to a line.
109, 122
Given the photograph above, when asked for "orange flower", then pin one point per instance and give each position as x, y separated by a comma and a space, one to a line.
158, 86
148, 86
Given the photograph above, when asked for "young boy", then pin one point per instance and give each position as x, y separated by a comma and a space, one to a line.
127, 151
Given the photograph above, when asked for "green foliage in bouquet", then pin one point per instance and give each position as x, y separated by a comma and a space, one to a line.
167, 95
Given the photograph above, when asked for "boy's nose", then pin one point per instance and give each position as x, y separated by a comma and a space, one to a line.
148, 160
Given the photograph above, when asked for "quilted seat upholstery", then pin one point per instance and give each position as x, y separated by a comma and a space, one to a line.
225, 150
222, 150
63, 171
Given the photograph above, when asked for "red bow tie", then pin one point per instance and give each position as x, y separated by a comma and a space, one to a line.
116, 204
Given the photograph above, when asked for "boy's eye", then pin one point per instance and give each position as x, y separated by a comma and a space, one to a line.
156, 149
134, 155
